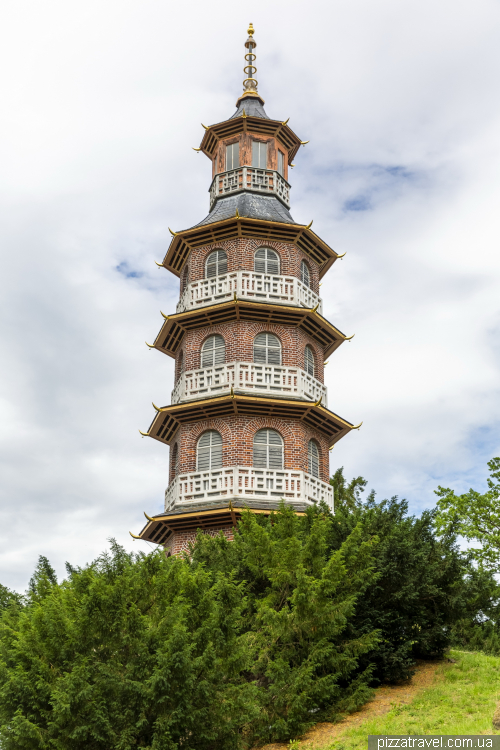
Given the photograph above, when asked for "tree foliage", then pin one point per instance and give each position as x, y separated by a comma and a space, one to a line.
418, 591
241, 642
476, 516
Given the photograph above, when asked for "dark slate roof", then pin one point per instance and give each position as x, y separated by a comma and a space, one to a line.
253, 108
249, 205
259, 505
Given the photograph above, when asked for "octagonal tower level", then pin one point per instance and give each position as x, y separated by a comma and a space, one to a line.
249, 421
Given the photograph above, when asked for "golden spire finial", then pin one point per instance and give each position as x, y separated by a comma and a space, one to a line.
250, 83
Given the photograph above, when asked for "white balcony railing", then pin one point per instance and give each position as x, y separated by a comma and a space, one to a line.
246, 483
266, 181
261, 287
248, 377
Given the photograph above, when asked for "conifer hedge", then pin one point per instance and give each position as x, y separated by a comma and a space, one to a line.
242, 643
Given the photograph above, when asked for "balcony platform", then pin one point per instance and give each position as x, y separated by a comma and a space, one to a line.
251, 179
243, 483
248, 377
168, 419
261, 287
299, 235
205, 516
310, 321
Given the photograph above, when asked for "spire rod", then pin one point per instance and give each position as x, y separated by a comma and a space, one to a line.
250, 83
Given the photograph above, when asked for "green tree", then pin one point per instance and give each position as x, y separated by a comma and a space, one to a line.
300, 599
475, 516
418, 590
132, 651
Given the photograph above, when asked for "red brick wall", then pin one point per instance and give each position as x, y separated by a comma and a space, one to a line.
237, 437
240, 257
239, 337
180, 540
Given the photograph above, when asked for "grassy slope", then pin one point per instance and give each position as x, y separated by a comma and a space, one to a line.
462, 702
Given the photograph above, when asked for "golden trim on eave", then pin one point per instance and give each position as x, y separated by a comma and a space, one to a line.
169, 418
242, 226
311, 322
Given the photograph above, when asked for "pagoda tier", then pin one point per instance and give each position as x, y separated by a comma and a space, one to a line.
176, 326
218, 227
248, 424
168, 419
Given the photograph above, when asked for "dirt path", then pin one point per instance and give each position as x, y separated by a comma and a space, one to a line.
385, 699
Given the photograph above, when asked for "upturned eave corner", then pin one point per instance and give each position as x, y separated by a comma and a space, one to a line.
234, 227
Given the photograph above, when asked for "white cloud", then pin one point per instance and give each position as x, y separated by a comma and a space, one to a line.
101, 106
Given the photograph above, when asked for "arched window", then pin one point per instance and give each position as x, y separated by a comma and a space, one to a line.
266, 261
313, 458
209, 451
304, 274
267, 349
268, 450
213, 351
216, 263
185, 278
174, 461
309, 360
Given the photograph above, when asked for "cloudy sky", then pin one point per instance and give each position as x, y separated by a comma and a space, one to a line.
101, 106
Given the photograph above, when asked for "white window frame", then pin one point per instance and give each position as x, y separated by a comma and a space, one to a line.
265, 351
259, 154
309, 361
213, 351
218, 260
268, 449
313, 458
232, 156
305, 274
266, 260
209, 451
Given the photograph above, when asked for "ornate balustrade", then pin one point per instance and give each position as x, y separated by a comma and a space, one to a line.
244, 483
264, 181
261, 287
249, 377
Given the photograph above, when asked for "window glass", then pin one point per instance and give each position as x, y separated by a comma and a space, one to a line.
309, 360
268, 450
180, 363
266, 261
232, 156
267, 349
304, 273
281, 162
213, 351
259, 154
209, 451
215, 165
313, 458
216, 263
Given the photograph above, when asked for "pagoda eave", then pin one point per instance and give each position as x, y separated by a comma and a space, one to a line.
160, 528
310, 321
244, 227
168, 419
266, 127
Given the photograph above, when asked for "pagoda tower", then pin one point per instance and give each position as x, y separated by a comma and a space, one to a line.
249, 423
